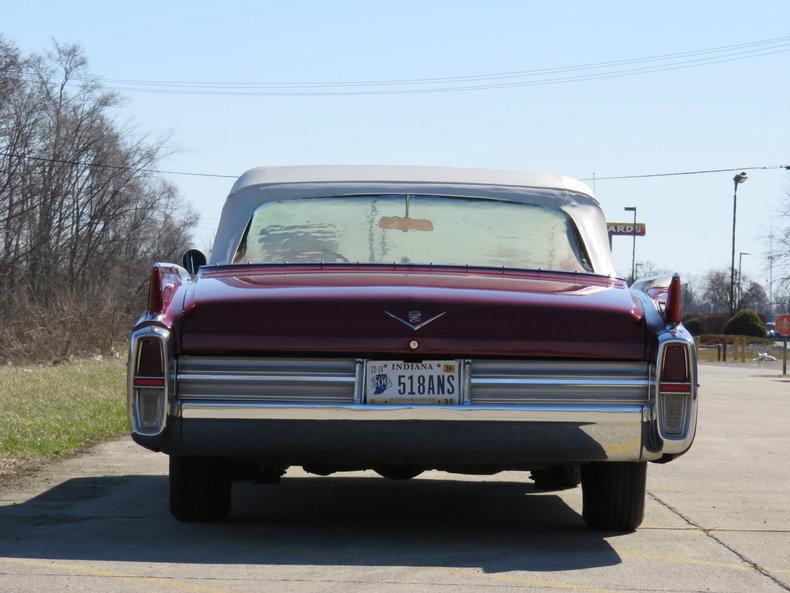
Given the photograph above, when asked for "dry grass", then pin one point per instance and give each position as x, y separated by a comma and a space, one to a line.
49, 411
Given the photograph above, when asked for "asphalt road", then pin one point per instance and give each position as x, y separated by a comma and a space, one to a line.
717, 519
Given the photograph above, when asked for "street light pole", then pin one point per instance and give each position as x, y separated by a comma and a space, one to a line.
737, 180
633, 248
740, 263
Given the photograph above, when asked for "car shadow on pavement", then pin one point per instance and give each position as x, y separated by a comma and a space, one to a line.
496, 526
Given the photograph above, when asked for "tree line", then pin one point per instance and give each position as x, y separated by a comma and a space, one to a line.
81, 215
706, 299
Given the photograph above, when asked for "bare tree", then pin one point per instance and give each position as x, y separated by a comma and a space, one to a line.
716, 293
81, 215
749, 294
781, 302
753, 296
693, 303
646, 269
779, 256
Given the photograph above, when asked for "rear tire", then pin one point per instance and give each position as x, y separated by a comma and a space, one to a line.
613, 495
557, 477
200, 488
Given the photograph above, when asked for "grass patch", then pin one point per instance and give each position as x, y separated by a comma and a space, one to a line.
706, 355
47, 411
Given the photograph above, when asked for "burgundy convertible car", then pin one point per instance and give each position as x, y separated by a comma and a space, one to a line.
403, 319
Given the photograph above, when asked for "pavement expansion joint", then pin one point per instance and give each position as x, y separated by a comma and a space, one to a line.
709, 533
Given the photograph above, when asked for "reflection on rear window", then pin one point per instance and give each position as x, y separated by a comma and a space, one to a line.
413, 229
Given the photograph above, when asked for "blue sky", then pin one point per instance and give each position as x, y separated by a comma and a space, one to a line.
721, 115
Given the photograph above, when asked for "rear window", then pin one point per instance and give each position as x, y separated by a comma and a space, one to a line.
413, 229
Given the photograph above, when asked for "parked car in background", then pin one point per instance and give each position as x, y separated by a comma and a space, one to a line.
772, 333
403, 319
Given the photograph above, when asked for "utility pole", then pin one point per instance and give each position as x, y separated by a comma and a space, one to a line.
771, 272
633, 248
740, 287
737, 180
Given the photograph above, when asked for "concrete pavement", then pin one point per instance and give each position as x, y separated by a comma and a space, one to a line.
718, 519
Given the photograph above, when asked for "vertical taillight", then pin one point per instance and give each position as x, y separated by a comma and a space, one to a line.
674, 312
155, 302
165, 280
674, 388
675, 373
149, 384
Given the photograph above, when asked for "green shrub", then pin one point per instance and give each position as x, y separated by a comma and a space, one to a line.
746, 322
712, 323
694, 325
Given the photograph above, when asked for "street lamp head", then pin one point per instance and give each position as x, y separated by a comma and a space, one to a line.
630, 208
740, 177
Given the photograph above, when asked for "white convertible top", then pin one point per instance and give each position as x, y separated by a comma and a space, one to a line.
400, 174
270, 184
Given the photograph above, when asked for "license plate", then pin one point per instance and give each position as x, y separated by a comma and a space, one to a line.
399, 382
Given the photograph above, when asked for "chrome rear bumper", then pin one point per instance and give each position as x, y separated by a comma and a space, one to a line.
511, 413
509, 434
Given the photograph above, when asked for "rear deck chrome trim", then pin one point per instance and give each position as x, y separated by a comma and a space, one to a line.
342, 380
515, 382
270, 379
563, 381
285, 379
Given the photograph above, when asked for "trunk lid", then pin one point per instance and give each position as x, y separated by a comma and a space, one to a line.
379, 310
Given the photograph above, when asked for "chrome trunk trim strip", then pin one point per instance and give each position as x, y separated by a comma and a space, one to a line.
522, 413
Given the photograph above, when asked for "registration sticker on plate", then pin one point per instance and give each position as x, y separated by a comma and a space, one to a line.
399, 382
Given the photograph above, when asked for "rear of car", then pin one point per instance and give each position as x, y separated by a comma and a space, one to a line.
403, 320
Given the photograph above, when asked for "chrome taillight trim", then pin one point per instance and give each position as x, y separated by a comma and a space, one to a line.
163, 336
665, 421
677, 442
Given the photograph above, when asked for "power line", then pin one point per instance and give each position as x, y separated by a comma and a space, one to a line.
770, 43
115, 167
676, 173
224, 176
643, 65
542, 82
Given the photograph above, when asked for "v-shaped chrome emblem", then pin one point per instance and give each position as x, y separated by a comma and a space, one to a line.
415, 326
